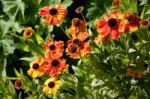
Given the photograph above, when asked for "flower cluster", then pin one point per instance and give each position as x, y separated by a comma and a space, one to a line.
114, 24
111, 26
53, 62
79, 45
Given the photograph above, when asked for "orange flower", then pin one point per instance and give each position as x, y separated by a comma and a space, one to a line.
77, 26
104, 40
18, 84
73, 50
53, 15
111, 23
54, 47
78, 46
27, 32
133, 21
51, 86
137, 74
36, 67
133, 73
55, 66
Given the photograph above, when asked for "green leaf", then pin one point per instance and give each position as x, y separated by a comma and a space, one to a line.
7, 45
4, 27
39, 39
143, 2
67, 3
17, 73
11, 89
125, 62
50, 29
91, 13
3, 63
28, 59
13, 8
35, 48
16, 27
23, 47
129, 5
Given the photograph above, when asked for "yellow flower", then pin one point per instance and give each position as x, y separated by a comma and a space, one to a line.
27, 32
51, 86
36, 69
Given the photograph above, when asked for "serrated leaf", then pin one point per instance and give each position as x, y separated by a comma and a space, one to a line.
8, 47
17, 27
4, 27
13, 8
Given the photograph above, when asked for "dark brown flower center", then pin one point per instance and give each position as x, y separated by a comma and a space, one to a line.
52, 11
28, 33
35, 66
76, 22
51, 84
73, 49
112, 22
76, 41
55, 63
52, 47
87, 39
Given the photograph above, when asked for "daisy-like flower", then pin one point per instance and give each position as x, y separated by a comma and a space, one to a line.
53, 15
78, 46
111, 24
51, 86
133, 21
54, 48
36, 69
18, 84
73, 50
55, 66
77, 26
28, 31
